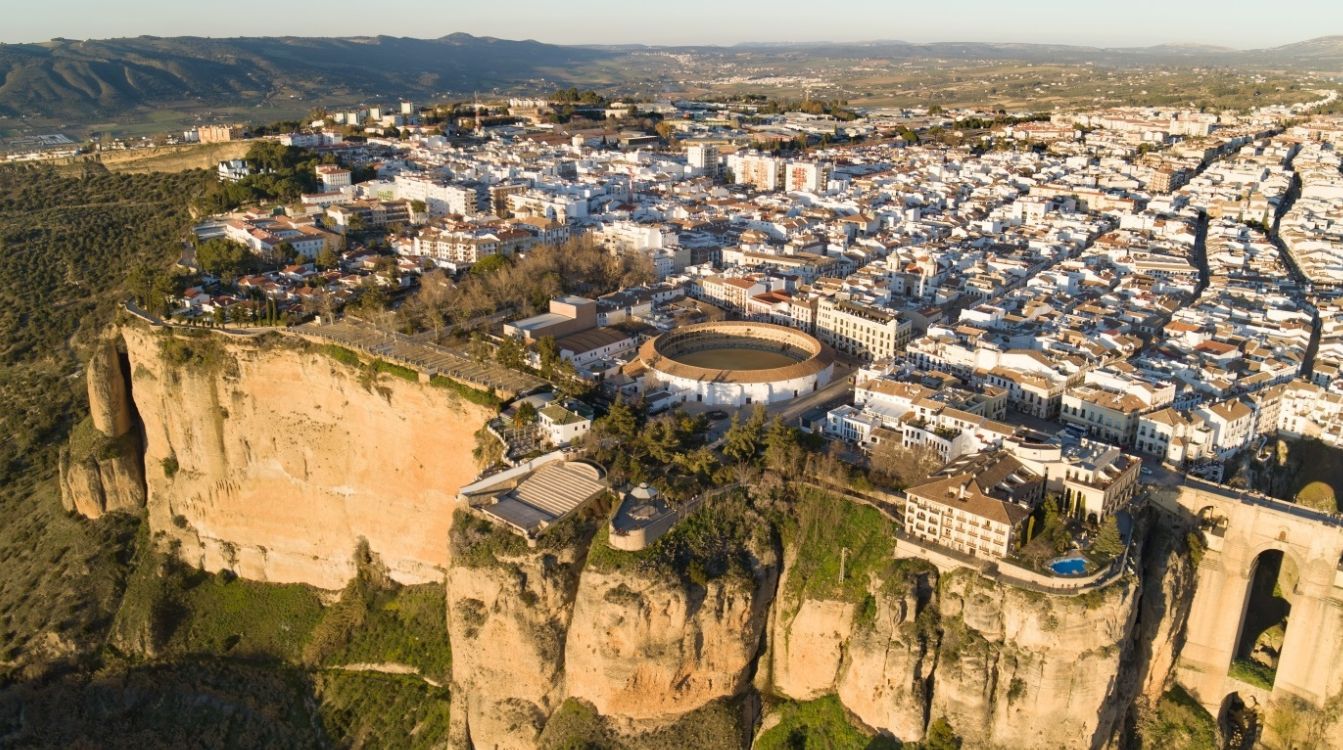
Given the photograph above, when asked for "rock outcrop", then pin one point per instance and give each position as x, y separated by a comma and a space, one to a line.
873, 655
269, 458
102, 470
650, 648
509, 613
1021, 669
272, 460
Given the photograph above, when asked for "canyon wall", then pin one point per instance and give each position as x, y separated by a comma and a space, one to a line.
102, 470
269, 458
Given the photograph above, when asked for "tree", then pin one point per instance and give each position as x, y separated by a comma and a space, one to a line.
742, 440
661, 440
489, 264
372, 299
386, 267
510, 352
941, 736
327, 257
1109, 542
524, 415
549, 355
220, 256
783, 450
900, 467
487, 451
621, 422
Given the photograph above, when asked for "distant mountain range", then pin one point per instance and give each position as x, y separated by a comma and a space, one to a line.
83, 81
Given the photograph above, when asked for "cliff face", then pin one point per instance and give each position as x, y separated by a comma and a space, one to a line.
1026, 670
274, 461
101, 470
509, 612
875, 656
649, 648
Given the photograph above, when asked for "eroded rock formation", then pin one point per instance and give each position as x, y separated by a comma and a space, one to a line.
274, 461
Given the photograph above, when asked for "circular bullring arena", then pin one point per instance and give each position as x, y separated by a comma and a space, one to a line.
738, 363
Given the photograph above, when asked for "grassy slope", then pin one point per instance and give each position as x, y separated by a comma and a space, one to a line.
65, 245
821, 723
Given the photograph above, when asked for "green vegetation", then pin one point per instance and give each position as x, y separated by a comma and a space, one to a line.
189, 703
1109, 542
1319, 496
283, 174
821, 724
477, 543
1306, 472
1252, 672
526, 286
341, 354
376, 710
576, 725
199, 351
377, 621
1177, 722
716, 541
828, 533
66, 242
175, 614
405, 373
172, 609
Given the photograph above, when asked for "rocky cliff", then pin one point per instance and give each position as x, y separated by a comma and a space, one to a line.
270, 458
267, 457
102, 468
648, 648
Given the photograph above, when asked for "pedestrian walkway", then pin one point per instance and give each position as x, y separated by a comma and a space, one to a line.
424, 356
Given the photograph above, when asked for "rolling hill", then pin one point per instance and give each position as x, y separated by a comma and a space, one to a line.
83, 81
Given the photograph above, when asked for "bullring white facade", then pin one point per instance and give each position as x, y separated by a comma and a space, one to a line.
687, 383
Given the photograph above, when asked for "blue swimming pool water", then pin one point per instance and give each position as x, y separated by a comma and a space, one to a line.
1069, 566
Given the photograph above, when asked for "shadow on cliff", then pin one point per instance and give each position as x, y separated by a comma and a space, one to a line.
1168, 576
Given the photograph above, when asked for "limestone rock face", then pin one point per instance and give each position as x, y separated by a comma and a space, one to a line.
109, 396
877, 662
107, 474
648, 648
94, 486
507, 622
274, 461
1020, 669
809, 647
883, 680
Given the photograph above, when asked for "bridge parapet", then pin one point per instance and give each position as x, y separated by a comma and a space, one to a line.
1238, 527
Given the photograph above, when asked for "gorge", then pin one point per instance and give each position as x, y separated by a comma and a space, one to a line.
265, 457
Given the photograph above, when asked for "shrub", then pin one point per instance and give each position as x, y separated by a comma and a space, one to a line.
821, 723
341, 354
405, 373
1177, 722
474, 395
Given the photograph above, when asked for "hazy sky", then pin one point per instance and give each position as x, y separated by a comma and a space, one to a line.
1233, 23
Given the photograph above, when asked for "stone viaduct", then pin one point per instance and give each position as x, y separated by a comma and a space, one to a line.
1238, 527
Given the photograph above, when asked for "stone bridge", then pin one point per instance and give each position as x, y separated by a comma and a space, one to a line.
1238, 528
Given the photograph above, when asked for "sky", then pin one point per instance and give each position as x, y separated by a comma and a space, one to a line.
1231, 23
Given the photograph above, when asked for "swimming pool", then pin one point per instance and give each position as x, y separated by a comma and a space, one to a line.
1069, 566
